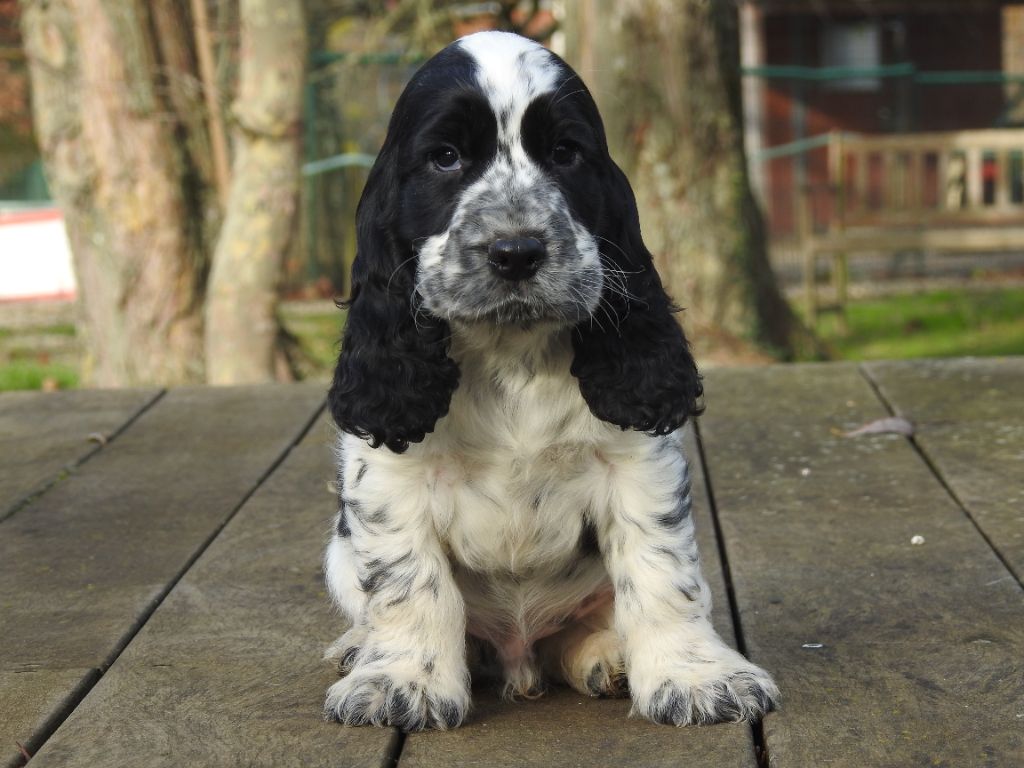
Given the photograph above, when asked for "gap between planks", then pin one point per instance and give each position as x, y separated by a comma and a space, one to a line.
72, 466
937, 473
756, 727
40, 737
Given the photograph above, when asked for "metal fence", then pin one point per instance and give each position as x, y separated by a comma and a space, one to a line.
347, 107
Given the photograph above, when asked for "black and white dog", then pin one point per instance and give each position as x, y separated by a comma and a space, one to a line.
510, 391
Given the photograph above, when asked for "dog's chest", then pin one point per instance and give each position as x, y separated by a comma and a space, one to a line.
513, 475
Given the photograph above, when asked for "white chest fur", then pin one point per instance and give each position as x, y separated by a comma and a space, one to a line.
511, 467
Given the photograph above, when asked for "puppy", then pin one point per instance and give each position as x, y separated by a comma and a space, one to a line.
510, 392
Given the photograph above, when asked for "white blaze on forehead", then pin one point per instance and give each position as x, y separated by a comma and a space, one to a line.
513, 71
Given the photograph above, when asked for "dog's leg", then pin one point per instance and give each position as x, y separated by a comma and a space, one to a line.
406, 652
679, 670
343, 584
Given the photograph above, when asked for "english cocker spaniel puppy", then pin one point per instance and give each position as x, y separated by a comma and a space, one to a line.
510, 392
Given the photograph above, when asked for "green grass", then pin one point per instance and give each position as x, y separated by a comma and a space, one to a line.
318, 333
942, 323
28, 374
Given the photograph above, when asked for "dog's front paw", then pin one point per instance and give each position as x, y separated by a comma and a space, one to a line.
376, 696
705, 692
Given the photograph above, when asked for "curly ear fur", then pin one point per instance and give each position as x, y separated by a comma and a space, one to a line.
637, 370
394, 378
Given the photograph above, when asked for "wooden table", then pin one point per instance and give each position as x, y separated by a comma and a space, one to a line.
161, 599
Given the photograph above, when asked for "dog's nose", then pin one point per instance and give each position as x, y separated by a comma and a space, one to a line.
516, 258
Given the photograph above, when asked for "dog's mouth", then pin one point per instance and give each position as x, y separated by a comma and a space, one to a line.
521, 303
515, 304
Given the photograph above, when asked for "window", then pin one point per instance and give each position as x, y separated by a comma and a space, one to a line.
856, 45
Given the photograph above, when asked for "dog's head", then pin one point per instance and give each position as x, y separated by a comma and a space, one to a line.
494, 200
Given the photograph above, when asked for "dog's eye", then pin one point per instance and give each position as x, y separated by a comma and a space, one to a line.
564, 153
446, 159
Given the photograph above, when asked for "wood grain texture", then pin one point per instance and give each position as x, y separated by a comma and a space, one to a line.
887, 653
970, 424
85, 563
566, 729
45, 433
228, 670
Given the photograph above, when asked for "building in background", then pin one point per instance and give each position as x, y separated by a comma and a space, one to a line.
869, 67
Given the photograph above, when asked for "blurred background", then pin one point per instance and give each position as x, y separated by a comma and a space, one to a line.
819, 179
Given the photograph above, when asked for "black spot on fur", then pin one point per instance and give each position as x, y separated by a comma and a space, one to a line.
724, 708
379, 572
360, 473
433, 585
669, 552
344, 530
379, 516
689, 590
401, 713
588, 545
681, 509
670, 705
403, 591
354, 508
449, 712
347, 660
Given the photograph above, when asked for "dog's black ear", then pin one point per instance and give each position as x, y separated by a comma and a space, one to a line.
632, 360
394, 378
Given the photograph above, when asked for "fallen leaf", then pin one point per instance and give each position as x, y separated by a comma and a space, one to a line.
890, 425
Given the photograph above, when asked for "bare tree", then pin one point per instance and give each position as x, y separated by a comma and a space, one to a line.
241, 324
125, 138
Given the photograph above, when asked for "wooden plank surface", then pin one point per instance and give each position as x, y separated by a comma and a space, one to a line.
228, 671
566, 729
969, 416
84, 564
887, 653
43, 434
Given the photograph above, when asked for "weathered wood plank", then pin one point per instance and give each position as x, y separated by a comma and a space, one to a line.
85, 563
44, 433
970, 423
887, 653
566, 729
228, 670
35, 699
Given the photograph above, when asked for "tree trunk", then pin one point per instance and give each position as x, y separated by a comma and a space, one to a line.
241, 326
669, 87
126, 185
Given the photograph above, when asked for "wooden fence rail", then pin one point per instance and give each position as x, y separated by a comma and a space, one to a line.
955, 192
